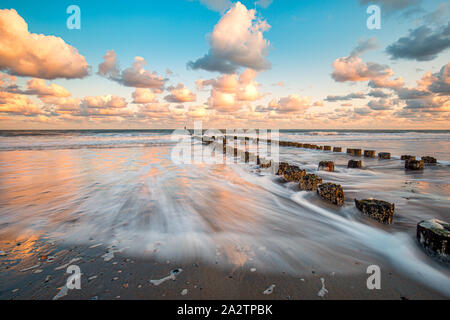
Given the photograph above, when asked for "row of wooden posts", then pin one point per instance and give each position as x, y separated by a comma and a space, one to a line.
433, 240
410, 161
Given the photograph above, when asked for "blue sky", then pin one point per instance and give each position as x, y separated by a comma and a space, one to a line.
305, 38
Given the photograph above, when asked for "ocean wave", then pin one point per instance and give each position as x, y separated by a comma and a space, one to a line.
94, 145
323, 133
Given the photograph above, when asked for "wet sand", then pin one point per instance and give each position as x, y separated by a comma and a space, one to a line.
125, 277
215, 222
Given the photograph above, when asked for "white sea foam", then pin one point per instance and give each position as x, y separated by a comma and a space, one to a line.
269, 290
172, 276
323, 291
397, 248
139, 199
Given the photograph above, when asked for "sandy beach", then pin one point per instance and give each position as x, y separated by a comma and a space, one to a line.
225, 231
125, 277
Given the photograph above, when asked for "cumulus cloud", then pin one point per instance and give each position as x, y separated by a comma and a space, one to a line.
41, 89
62, 105
439, 82
180, 94
104, 106
429, 104
7, 82
135, 76
422, 44
107, 101
18, 104
226, 83
412, 93
353, 68
142, 96
318, 104
236, 41
378, 93
198, 112
29, 54
110, 66
53, 95
293, 103
223, 101
363, 111
384, 82
230, 91
365, 45
429, 98
55, 98
154, 111
380, 104
430, 86
248, 89
350, 96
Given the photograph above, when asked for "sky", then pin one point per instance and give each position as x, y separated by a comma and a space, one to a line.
285, 64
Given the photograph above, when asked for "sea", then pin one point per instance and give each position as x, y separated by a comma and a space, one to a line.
121, 188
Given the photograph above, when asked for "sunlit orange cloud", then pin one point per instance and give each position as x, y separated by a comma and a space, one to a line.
28, 54
180, 94
38, 87
142, 96
18, 104
7, 80
386, 83
248, 90
229, 99
237, 40
198, 112
101, 102
225, 83
293, 103
135, 76
353, 68
151, 111
230, 91
104, 106
63, 104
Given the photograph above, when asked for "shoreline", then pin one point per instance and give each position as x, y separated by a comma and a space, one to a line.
129, 278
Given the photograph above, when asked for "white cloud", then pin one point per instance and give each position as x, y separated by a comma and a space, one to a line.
135, 76
36, 55
142, 96
38, 87
293, 103
236, 41
180, 94
230, 91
